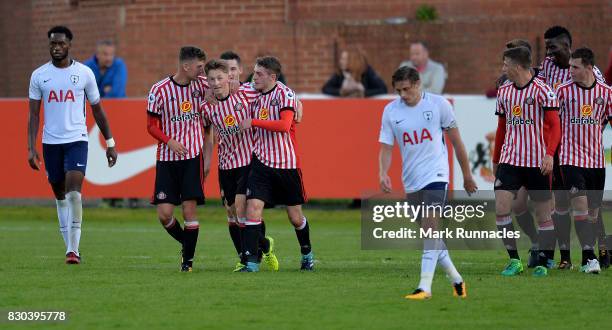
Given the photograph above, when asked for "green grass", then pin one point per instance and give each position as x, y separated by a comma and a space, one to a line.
130, 279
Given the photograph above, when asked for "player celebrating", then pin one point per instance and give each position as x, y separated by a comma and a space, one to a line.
62, 84
555, 70
233, 63
275, 176
174, 119
235, 149
524, 218
425, 168
526, 139
585, 104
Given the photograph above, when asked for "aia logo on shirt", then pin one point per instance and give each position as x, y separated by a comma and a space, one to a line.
62, 96
416, 137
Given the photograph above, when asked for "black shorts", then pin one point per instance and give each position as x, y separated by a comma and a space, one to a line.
557, 181
178, 181
432, 194
275, 186
233, 182
64, 157
581, 181
512, 178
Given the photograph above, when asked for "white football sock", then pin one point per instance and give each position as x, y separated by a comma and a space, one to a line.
428, 268
76, 212
447, 264
63, 215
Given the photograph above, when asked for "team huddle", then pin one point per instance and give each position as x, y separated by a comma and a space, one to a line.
253, 124
548, 148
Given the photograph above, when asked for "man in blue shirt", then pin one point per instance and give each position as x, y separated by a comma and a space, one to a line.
110, 71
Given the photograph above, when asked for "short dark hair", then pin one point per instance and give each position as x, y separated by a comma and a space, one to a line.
270, 63
420, 42
190, 53
519, 55
558, 31
216, 65
518, 43
60, 29
405, 73
586, 55
230, 55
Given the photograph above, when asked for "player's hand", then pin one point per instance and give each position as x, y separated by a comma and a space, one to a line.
495, 165
385, 183
469, 185
177, 147
246, 124
547, 165
298, 112
234, 86
111, 156
34, 159
209, 97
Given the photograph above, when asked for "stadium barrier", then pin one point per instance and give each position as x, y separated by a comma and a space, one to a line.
337, 145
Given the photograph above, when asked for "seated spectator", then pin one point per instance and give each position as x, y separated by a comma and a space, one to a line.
110, 71
354, 77
433, 75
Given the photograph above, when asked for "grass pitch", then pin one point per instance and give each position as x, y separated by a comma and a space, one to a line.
130, 278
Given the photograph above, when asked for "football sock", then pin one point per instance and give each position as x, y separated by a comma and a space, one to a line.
525, 221
234, 231
505, 222
562, 221
447, 265
600, 232
546, 241
252, 233
429, 260
175, 230
192, 229
303, 236
63, 215
264, 244
586, 236
76, 215
242, 226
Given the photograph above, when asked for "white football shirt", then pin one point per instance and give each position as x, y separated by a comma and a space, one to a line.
63, 92
419, 131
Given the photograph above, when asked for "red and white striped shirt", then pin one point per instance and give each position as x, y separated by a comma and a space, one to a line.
554, 76
524, 111
235, 146
583, 111
275, 149
179, 109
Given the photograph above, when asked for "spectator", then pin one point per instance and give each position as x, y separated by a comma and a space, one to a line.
110, 71
354, 77
433, 75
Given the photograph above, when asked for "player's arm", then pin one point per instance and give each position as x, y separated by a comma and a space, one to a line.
299, 112
384, 163
208, 147
33, 123
455, 138
102, 122
281, 125
552, 130
500, 135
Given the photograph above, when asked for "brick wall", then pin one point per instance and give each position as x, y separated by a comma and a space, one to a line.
468, 35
